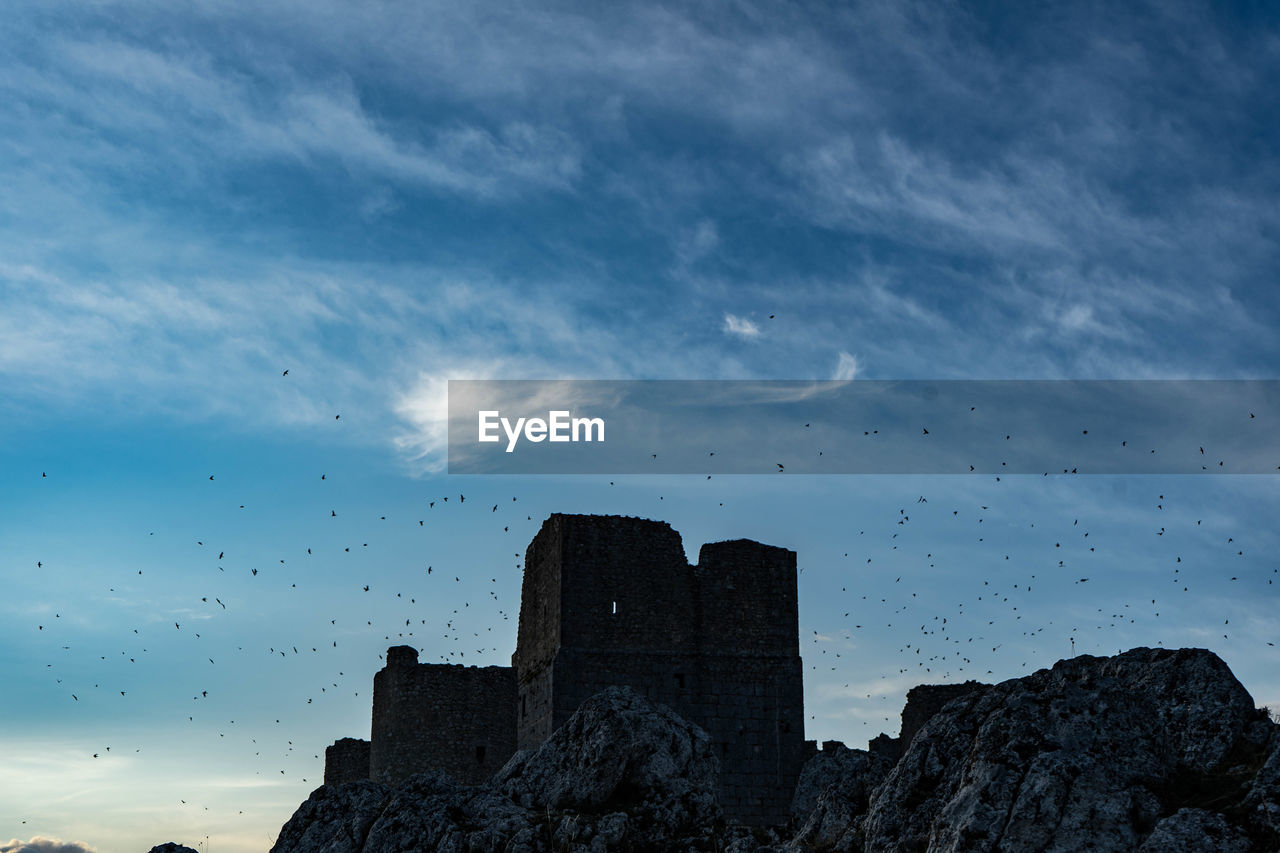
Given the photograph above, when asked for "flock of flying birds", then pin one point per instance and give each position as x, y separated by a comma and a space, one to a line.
935, 641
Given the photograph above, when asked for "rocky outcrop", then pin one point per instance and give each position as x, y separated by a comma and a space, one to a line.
1152, 750
1195, 831
1260, 811
171, 847
621, 774
432, 812
334, 819
832, 795
1151, 746
620, 752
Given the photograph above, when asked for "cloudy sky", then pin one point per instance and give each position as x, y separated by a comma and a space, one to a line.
378, 197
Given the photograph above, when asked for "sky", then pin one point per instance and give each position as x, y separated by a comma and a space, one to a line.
204, 556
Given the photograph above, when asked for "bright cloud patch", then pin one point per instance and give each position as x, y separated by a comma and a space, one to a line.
846, 367
41, 844
741, 326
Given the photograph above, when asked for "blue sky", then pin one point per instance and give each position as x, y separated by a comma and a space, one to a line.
195, 198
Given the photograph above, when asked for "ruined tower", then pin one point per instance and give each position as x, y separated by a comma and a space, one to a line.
609, 600
606, 601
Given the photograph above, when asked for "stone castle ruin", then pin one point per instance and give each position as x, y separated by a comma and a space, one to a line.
611, 600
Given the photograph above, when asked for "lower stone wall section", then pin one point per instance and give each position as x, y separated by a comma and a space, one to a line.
926, 700
458, 719
346, 760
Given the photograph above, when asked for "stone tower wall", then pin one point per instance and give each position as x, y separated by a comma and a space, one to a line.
457, 719
747, 598
718, 642
605, 584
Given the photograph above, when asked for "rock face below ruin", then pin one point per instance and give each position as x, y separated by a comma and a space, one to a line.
1152, 750
620, 752
832, 795
620, 774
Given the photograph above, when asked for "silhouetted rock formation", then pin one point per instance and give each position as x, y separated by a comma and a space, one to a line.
832, 793
171, 847
1152, 746
621, 752
1152, 750
622, 773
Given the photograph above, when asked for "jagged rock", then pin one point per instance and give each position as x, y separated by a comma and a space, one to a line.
1153, 750
619, 751
1260, 811
840, 766
1195, 831
621, 774
1090, 754
334, 819
612, 828
432, 812
429, 811
171, 847
832, 795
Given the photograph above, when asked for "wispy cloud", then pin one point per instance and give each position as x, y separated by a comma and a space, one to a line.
234, 117
1009, 194
740, 326
846, 367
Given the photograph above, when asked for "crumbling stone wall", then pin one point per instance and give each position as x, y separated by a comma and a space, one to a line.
923, 702
459, 719
926, 700
346, 760
609, 600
